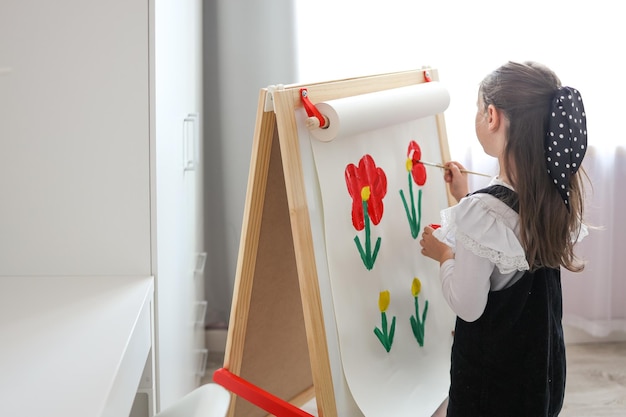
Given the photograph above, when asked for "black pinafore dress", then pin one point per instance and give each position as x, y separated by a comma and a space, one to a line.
511, 361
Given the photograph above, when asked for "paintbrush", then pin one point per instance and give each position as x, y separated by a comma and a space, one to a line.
465, 171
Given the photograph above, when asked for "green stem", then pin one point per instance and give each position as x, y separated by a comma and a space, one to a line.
384, 323
368, 243
419, 210
406, 209
417, 310
414, 227
367, 255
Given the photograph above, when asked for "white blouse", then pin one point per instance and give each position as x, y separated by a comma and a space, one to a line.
483, 232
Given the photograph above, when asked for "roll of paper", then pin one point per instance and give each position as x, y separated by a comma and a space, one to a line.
367, 112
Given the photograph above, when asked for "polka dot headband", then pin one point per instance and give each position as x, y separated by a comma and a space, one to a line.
566, 140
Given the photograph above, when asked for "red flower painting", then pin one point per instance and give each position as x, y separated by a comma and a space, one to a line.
367, 185
417, 171
366, 174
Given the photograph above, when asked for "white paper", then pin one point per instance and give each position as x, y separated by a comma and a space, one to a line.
409, 380
365, 113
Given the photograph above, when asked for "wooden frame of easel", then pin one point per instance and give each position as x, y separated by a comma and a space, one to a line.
277, 347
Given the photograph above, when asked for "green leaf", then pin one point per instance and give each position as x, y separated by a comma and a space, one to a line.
392, 331
376, 248
410, 218
380, 335
364, 257
414, 326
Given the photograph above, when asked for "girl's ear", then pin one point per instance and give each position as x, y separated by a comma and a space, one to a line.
494, 117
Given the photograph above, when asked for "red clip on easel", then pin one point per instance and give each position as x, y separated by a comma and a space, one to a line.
257, 396
311, 110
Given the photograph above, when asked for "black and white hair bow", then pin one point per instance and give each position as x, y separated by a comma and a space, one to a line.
566, 140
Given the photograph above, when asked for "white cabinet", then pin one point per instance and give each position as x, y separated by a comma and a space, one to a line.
178, 131
100, 170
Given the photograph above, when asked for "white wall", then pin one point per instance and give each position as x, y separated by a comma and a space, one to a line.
248, 45
467, 39
343, 38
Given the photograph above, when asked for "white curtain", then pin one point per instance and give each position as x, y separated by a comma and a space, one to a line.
595, 299
467, 39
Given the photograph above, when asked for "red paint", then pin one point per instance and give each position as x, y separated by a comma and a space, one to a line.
366, 174
418, 170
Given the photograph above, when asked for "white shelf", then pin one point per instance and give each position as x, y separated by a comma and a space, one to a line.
73, 346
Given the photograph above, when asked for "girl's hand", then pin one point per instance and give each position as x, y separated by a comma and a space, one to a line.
434, 248
456, 179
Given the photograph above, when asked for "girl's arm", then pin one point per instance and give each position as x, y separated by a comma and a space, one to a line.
465, 282
464, 276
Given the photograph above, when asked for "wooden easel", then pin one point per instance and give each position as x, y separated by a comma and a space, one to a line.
277, 352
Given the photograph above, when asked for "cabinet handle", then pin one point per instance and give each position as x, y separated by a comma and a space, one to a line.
200, 263
201, 309
204, 355
190, 138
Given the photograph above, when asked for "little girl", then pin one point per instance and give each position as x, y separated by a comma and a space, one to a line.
501, 248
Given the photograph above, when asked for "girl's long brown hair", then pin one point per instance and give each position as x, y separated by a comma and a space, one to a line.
548, 231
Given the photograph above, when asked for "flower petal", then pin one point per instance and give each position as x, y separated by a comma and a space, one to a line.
383, 300
414, 152
366, 174
354, 189
416, 287
419, 173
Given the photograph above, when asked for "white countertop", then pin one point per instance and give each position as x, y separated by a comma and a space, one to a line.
73, 346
